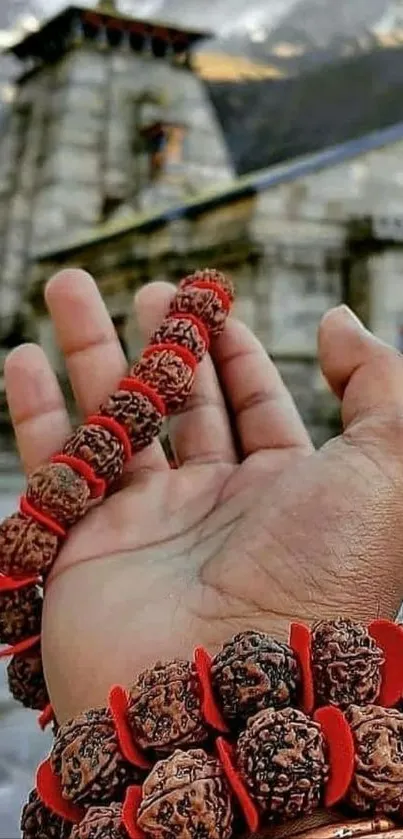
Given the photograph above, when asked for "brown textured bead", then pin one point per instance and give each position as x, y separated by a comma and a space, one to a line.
168, 374
101, 823
186, 796
253, 672
203, 303
87, 758
37, 822
179, 330
20, 614
98, 447
26, 547
281, 758
165, 708
56, 490
378, 778
346, 664
210, 275
26, 680
137, 414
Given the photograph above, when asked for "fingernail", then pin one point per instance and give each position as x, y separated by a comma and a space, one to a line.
344, 311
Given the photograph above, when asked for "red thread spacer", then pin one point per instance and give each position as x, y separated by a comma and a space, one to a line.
131, 806
133, 384
9, 584
181, 352
118, 706
225, 300
22, 647
97, 485
389, 637
46, 717
340, 752
27, 509
115, 428
300, 643
211, 712
202, 329
249, 810
49, 789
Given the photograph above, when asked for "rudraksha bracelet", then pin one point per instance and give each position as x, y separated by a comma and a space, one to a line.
174, 706
338, 663
60, 493
283, 766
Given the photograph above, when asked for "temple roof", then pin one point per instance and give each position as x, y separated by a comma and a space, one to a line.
242, 187
58, 28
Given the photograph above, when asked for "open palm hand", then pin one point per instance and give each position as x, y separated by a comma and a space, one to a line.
253, 529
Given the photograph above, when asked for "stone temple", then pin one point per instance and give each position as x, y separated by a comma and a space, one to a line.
117, 156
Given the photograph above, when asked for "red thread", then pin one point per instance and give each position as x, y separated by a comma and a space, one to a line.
226, 756
340, 752
9, 584
181, 352
389, 637
97, 485
131, 806
118, 706
225, 300
22, 647
46, 717
202, 329
27, 509
211, 712
136, 386
300, 643
115, 428
49, 789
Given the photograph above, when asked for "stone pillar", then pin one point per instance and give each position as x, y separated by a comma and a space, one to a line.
28, 136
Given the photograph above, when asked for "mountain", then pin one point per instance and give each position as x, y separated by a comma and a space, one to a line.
332, 104
309, 33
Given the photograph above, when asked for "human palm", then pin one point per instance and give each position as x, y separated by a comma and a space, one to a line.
254, 528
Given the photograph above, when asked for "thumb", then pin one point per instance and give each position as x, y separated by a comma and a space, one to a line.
365, 373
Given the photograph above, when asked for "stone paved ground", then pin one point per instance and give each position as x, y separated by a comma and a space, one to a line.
22, 744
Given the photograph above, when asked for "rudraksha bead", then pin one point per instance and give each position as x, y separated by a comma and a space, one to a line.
26, 547
98, 447
210, 275
184, 332
165, 708
281, 759
253, 672
346, 664
56, 490
185, 796
20, 614
26, 680
377, 784
37, 822
137, 414
168, 373
101, 823
87, 758
204, 303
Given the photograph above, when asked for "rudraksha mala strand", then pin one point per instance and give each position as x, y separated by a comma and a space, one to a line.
60, 493
173, 706
283, 766
181, 703
21, 604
